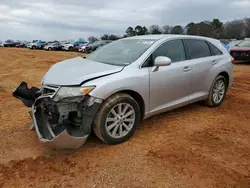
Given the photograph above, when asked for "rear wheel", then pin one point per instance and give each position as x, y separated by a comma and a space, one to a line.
49, 48
117, 119
217, 92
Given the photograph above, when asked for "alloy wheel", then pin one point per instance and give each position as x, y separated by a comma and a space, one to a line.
219, 91
120, 120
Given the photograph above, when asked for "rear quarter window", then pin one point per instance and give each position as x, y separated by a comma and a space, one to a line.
214, 49
197, 48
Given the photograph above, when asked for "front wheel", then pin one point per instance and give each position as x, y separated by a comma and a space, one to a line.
217, 92
117, 119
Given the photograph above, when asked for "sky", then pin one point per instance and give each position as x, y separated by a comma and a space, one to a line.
71, 19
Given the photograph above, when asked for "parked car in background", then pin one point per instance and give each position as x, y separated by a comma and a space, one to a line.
21, 45
68, 46
241, 51
226, 45
1, 44
79, 46
73, 45
232, 43
114, 88
29, 44
9, 43
53, 46
37, 45
82, 48
92, 47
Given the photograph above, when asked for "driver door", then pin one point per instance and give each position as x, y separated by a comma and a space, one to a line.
170, 85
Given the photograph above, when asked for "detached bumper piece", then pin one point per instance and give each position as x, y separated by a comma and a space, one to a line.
63, 124
26, 95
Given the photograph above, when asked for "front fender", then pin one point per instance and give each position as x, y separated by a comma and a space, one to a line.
136, 80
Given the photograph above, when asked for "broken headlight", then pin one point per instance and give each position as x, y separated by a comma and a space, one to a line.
66, 92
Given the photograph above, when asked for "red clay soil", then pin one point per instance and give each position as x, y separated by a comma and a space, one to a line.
194, 146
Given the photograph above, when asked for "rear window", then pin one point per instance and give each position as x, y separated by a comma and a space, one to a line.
214, 49
197, 48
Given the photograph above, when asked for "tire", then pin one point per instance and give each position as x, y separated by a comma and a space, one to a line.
119, 133
212, 100
33, 47
49, 49
70, 48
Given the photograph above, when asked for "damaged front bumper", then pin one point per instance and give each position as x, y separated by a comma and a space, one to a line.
65, 123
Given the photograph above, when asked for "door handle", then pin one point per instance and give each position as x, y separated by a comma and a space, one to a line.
186, 69
214, 62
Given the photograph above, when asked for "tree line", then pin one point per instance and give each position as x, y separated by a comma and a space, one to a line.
236, 29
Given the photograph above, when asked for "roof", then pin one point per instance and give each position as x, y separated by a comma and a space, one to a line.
161, 36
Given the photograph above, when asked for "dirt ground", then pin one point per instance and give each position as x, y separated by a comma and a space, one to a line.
194, 146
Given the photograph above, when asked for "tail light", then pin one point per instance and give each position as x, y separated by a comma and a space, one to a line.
232, 60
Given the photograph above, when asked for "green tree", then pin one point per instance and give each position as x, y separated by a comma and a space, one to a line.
191, 29
113, 37
217, 28
105, 37
92, 39
145, 30
155, 29
177, 30
166, 29
130, 32
235, 29
247, 27
205, 29
138, 30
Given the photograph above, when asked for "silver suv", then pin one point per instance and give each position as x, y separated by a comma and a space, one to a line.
114, 88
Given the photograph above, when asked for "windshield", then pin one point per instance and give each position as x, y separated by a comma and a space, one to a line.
121, 52
245, 43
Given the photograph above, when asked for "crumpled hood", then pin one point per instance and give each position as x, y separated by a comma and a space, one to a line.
77, 70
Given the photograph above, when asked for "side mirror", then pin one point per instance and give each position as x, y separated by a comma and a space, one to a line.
162, 61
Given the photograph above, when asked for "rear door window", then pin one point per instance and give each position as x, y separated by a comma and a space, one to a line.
197, 48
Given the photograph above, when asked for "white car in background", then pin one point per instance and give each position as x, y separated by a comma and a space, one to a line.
1, 45
67, 46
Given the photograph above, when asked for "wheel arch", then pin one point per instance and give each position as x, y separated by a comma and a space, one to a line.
139, 99
225, 75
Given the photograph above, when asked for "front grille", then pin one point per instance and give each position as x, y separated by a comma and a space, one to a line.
49, 90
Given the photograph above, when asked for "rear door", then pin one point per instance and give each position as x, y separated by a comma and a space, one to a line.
202, 60
169, 85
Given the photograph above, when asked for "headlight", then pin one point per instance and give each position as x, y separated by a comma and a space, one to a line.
73, 91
